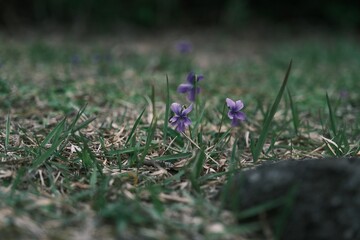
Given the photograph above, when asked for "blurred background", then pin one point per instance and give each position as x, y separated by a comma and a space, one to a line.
92, 15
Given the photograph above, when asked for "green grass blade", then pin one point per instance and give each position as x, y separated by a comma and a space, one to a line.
270, 116
331, 115
87, 156
197, 122
77, 117
153, 94
82, 125
199, 164
53, 133
131, 134
173, 157
7, 134
196, 170
294, 113
124, 151
175, 178
211, 176
233, 158
150, 137
222, 139
167, 110
222, 118
57, 139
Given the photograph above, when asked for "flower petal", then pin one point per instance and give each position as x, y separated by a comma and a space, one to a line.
184, 87
173, 120
191, 78
191, 95
231, 114
200, 77
235, 122
240, 115
230, 103
187, 121
176, 108
239, 105
187, 110
180, 127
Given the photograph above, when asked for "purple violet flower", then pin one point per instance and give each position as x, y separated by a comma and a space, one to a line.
234, 111
184, 47
189, 87
180, 118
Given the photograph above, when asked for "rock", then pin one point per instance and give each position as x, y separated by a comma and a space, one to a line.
322, 197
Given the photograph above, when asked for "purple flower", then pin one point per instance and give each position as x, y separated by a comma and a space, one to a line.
189, 87
234, 111
184, 47
180, 118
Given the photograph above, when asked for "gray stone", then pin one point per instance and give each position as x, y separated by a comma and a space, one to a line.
322, 197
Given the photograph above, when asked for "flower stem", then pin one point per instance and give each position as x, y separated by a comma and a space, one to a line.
196, 102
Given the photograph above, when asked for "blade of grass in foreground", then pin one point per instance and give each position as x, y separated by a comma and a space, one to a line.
332, 117
134, 127
294, 113
197, 168
150, 137
87, 155
57, 139
199, 163
53, 133
266, 126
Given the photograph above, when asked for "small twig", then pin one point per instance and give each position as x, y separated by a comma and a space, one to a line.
168, 147
16, 161
158, 164
197, 146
